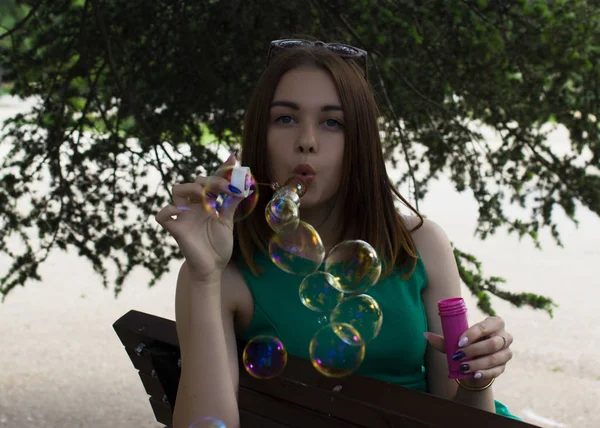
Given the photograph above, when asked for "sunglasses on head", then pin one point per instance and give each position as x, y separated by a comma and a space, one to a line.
345, 51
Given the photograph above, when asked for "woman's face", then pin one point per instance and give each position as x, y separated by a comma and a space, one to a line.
306, 133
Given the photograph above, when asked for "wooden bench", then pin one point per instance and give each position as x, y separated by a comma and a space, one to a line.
300, 397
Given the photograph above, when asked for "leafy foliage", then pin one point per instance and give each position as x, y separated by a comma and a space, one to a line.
127, 89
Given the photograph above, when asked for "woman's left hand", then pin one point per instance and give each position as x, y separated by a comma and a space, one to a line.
486, 344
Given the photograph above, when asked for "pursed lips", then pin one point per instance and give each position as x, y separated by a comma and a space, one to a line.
305, 171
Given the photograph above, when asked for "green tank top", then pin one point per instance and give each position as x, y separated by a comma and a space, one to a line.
396, 355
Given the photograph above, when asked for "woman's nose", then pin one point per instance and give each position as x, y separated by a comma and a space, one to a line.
307, 142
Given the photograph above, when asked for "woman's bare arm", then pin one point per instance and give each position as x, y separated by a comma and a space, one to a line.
209, 370
443, 282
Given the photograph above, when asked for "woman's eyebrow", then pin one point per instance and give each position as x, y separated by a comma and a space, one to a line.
294, 106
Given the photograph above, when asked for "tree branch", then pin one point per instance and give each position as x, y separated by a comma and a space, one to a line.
23, 21
122, 89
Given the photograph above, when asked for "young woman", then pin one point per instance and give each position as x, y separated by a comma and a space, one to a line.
313, 114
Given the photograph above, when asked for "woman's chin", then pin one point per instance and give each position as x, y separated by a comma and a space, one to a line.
307, 203
314, 201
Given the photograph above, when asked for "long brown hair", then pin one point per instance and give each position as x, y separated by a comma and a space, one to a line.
366, 192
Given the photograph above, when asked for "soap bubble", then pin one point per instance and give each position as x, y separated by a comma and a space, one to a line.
282, 214
336, 350
355, 266
297, 185
300, 252
208, 422
214, 201
287, 192
317, 292
264, 357
362, 312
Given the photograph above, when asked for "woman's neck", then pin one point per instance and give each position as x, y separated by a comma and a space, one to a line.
327, 220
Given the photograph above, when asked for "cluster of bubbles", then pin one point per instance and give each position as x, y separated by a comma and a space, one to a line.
350, 319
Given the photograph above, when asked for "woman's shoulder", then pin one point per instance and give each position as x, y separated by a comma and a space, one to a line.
411, 221
430, 240
436, 253
427, 234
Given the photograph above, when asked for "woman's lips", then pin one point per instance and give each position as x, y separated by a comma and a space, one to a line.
305, 172
306, 177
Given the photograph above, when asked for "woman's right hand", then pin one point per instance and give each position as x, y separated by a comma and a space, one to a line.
204, 236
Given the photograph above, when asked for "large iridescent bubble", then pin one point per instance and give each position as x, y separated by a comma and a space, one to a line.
337, 350
299, 252
362, 312
318, 293
355, 266
264, 357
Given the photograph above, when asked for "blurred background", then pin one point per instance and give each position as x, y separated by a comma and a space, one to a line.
489, 120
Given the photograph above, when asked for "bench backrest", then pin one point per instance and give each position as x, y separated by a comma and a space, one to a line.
300, 397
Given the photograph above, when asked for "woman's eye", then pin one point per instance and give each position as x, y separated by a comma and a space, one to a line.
333, 123
286, 120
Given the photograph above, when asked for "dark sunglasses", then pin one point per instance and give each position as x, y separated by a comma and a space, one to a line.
345, 51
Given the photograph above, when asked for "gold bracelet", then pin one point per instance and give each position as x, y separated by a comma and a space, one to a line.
470, 388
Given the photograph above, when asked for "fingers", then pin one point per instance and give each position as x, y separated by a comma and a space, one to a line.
206, 191
164, 216
487, 366
487, 358
487, 327
216, 184
509, 338
484, 347
225, 169
489, 373
186, 193
222, 172
228, 207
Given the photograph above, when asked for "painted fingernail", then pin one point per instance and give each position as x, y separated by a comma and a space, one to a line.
463, 341
464, 368
234, 189
477, 375
183, 208
458, 356
232, 154
211, 195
